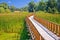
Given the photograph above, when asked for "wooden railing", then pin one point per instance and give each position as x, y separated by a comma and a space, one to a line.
33, 30
54, 28
49, 25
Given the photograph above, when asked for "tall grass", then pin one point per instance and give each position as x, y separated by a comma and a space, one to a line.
55, 18
12, 25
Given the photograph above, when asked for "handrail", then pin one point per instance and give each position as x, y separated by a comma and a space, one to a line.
49, 25
37, 26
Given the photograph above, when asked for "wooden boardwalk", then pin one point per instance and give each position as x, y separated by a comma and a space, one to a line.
39, 31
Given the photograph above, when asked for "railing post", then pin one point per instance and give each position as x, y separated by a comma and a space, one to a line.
55, 29
48, 25
58, 31
51, 26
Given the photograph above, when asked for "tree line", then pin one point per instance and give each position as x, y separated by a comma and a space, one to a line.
5, 8
51, 6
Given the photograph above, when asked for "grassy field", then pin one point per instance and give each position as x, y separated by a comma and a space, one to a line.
13, 26
55, 18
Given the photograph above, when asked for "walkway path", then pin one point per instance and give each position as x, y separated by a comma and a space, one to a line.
44, 32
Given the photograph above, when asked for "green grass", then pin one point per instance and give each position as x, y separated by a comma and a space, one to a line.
12, 26
9, 36
55, 18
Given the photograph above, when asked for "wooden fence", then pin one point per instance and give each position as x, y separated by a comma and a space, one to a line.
54, 28
49, 25
33, 30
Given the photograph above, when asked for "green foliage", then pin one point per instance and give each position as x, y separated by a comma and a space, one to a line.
47, 6
4, 5
24, 9
7, 11
54, 10
12, 8
31, 6
55, 18
58, 5
51, 3
49, 10
25, 33
41, 6
2, 10
13, 26
52, 6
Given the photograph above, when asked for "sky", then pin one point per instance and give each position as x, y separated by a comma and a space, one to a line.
18, 3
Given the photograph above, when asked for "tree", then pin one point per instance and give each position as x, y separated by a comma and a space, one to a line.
24, 8
55, 10
2, 10
51, 4
12, 8
49, 10
4, 5
58, 5
7, 10
31, 7
42, 6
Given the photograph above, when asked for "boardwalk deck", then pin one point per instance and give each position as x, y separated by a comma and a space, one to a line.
44, 32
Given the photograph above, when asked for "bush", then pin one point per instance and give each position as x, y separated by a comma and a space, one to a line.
49, 10
2, 10
55, 10
7, 10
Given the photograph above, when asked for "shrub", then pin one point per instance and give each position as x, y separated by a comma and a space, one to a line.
7, 10
49, 10
55, 10
2, 10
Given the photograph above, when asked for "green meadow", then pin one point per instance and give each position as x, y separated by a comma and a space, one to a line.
54, 18
14, 12
13, 26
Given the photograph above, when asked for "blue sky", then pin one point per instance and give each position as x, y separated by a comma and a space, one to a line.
18, 3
